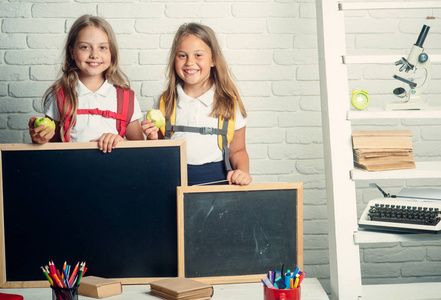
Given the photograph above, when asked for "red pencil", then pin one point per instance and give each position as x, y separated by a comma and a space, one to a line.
52, 266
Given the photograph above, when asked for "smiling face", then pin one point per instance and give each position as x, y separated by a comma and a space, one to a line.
91, 53
193, 62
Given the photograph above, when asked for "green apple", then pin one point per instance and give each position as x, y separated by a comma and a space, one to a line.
44, 121
156, 117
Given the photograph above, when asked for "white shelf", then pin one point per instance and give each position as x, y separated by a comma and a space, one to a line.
433, 112
424, 169
369, 237
344, 234
387, 5
381, 59
406, 291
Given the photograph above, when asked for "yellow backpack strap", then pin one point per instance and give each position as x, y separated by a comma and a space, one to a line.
230, 131
166, 129
225, 140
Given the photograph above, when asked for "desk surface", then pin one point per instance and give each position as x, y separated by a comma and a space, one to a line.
311, 290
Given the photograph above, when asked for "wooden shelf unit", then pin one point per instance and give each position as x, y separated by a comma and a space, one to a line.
344, 234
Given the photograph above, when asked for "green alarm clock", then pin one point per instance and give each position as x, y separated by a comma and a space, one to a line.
360, 99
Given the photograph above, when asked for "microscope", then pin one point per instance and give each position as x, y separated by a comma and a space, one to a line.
417, 59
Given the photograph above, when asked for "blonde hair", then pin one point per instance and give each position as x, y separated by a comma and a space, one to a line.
225, 89
70, 72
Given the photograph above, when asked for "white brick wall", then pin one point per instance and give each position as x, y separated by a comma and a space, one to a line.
271, 46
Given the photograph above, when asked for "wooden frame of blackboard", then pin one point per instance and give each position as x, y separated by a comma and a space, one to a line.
204, 193
177, 147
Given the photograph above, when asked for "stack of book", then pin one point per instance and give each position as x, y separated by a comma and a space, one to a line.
181, 288
383, 150
98, 287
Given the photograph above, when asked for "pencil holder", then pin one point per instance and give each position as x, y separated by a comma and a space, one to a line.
275, 294
65, 293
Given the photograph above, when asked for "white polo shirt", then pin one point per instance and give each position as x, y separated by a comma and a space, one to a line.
195, 112
91, 127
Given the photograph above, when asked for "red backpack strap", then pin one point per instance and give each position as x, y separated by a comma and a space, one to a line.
59, 95
104, 113
126, 101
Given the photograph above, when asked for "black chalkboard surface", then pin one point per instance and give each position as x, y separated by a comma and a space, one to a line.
70, 202
236, 234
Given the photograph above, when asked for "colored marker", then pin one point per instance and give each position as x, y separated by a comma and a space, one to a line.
288, 279
301, 277
266, 282
280, 283
270, 276
297, 281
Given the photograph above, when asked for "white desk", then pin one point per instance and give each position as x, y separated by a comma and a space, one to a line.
311, 290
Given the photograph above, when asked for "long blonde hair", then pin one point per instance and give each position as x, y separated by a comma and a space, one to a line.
226, 91
70, 72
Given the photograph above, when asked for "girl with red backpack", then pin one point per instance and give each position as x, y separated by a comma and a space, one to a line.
92, 100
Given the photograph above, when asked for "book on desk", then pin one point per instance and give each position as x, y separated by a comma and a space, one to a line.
181, 288
97, 287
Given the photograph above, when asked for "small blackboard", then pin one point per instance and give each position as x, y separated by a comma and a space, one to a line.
71, 202
236, 234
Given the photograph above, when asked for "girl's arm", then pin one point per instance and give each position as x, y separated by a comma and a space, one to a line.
239, 159
134, 131
47, 135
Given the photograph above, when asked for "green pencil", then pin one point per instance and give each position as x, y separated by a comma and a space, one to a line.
47, 276
81, 273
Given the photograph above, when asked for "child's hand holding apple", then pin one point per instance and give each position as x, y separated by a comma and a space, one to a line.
153, 121
41, 130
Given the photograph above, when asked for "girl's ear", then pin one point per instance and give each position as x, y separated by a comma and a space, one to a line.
213, 62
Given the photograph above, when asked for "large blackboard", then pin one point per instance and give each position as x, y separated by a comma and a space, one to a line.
70, 202
236, 234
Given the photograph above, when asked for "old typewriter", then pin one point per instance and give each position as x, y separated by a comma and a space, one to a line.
412, 210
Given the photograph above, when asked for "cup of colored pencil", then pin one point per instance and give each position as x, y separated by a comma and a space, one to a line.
65, 282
